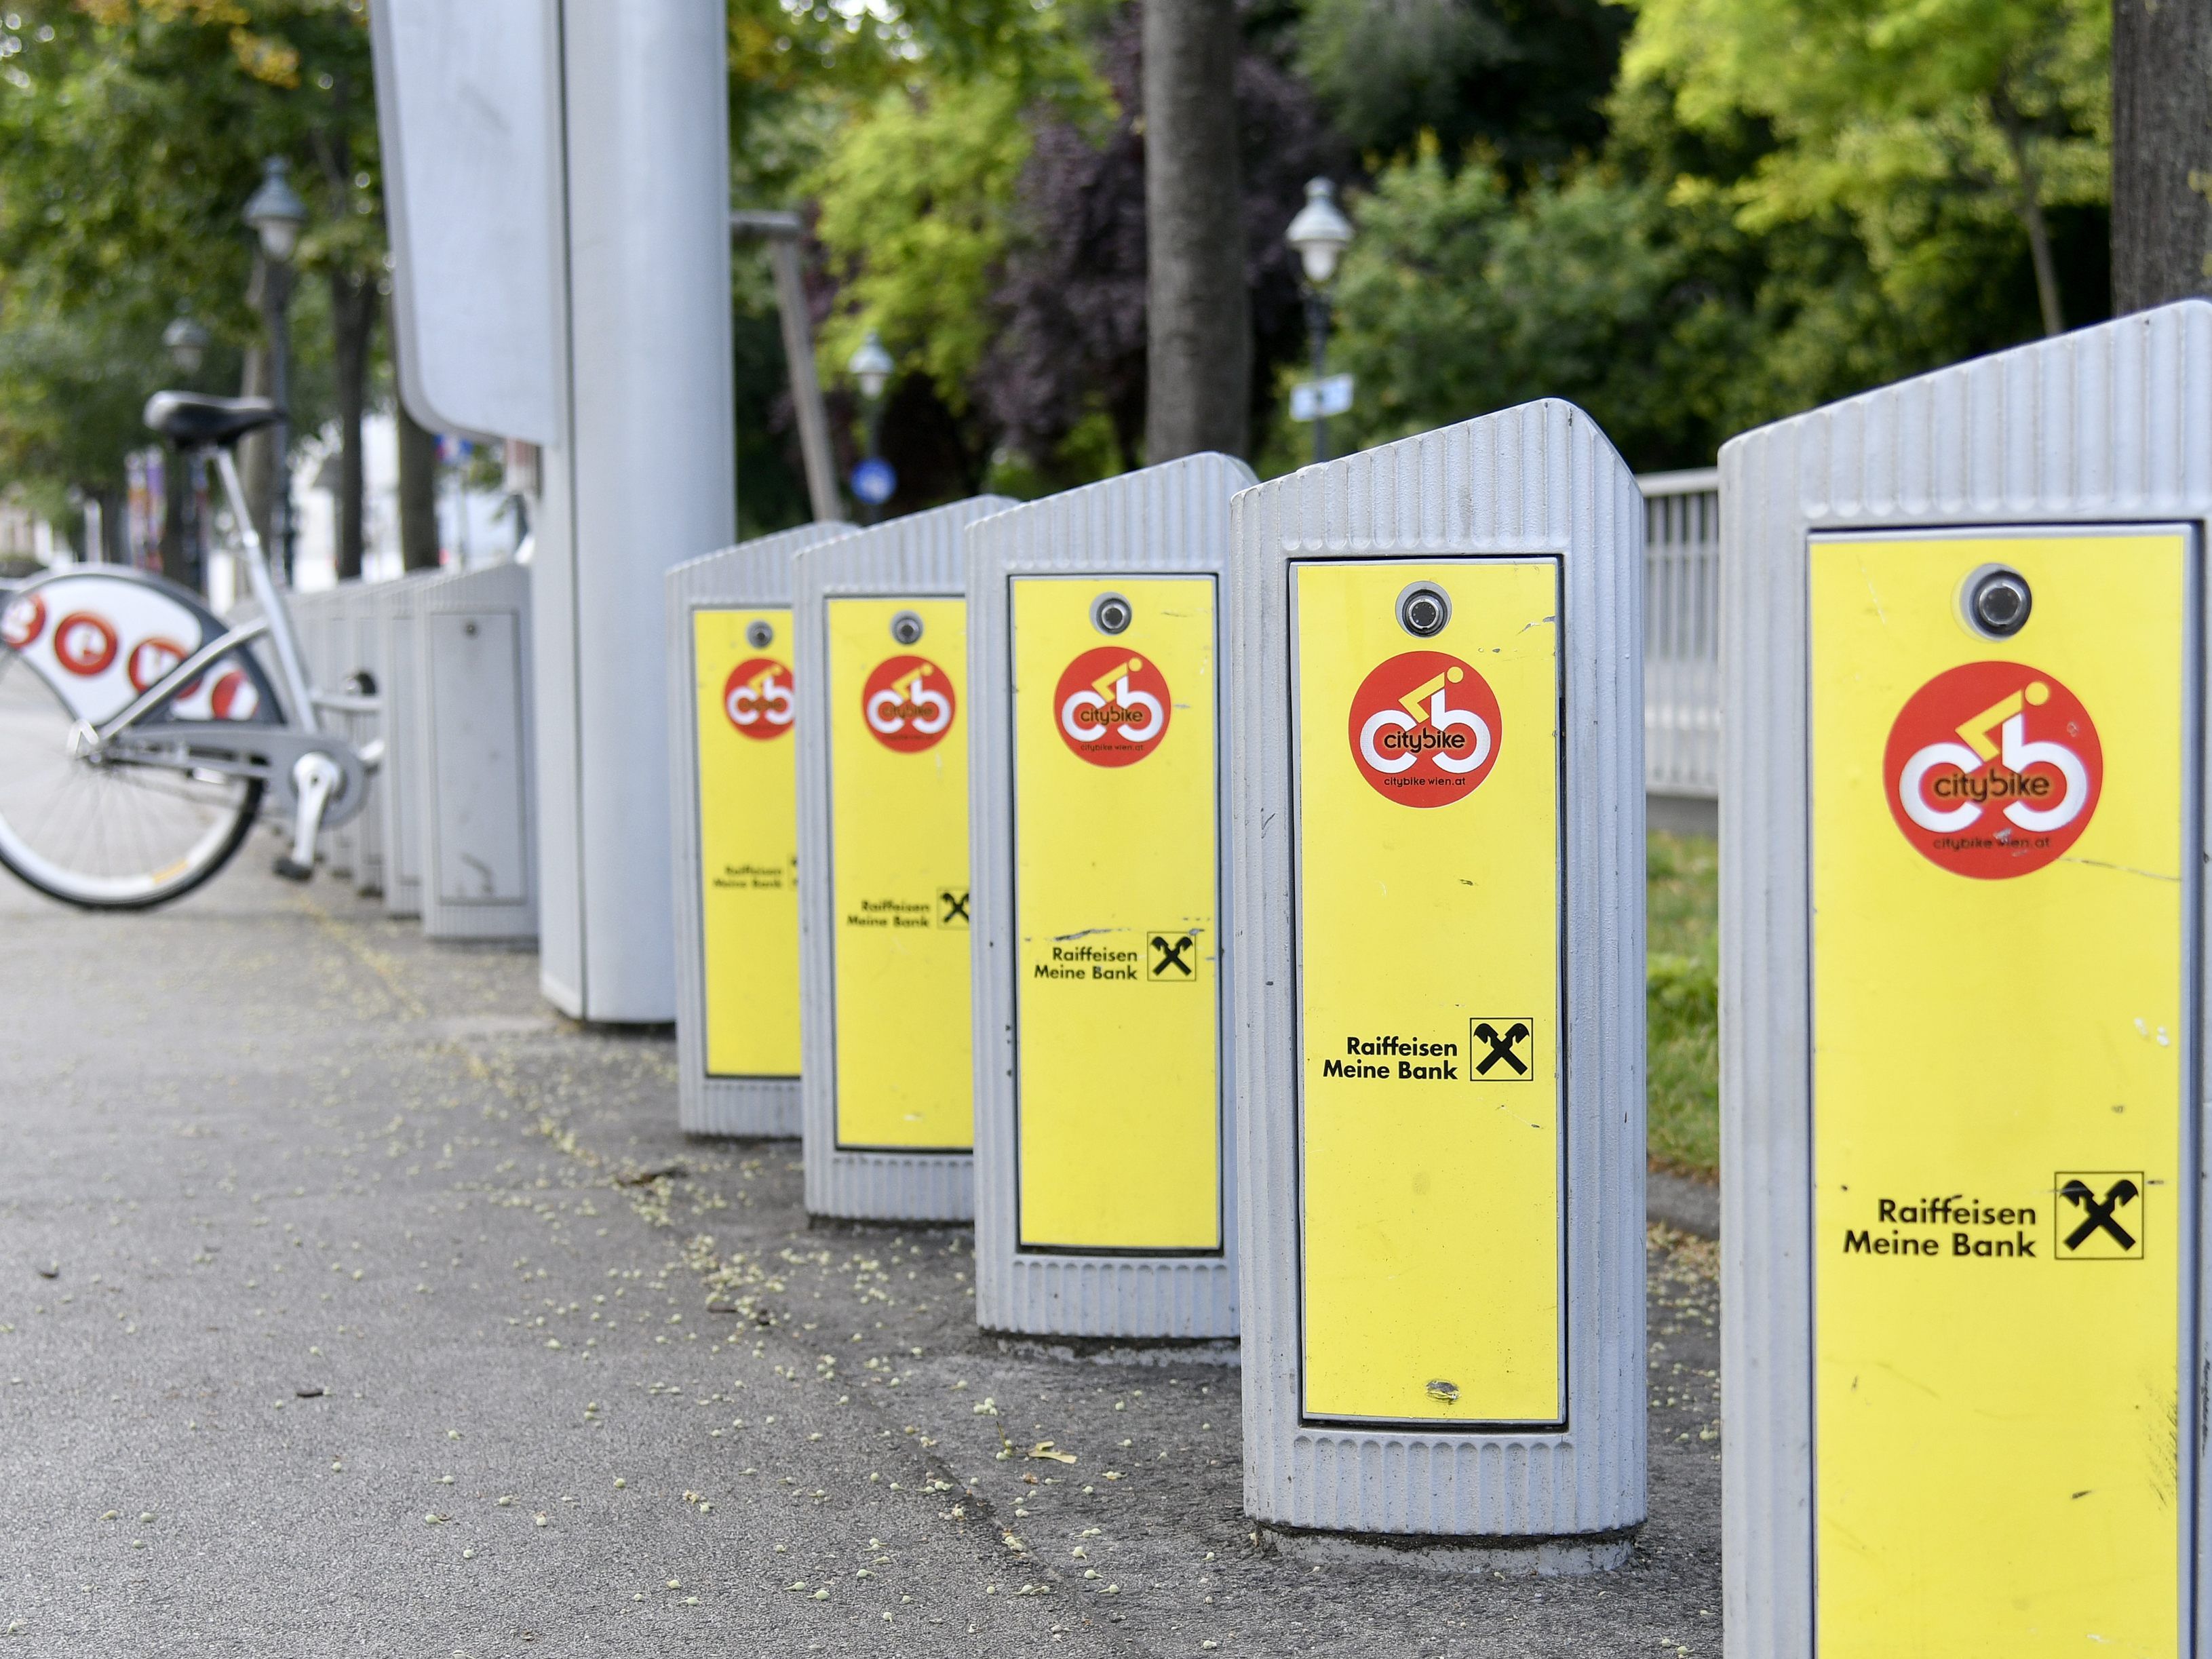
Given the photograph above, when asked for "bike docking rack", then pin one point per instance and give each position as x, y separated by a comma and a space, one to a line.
401, 783
886, 1081
352, 701
1436, 850
1105, 1197
1963, 1255
734, 814
314, 619
473, 736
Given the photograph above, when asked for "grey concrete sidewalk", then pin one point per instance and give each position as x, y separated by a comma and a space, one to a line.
352, 1303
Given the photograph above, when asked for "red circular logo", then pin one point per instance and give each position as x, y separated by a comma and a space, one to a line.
1993, 769
234, 698
23, 621
84, 644
150, 658
908, 703
1425, 729
757, 698
1111, 706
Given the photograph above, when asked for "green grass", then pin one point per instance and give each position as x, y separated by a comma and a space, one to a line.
1682, 1001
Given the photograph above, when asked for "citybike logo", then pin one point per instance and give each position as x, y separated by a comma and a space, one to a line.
757, 698
84, 644
22, 623
1111, 707
908, 703
234, 698
150, 658
1993, 769
1424, 729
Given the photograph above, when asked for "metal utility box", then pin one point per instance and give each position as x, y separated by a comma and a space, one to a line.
399, 785
1963, 1013
356, 672
1105, 1201
473, 724
1437, 846
733, 771
886, 1082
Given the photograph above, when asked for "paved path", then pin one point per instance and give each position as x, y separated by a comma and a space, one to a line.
352, 1303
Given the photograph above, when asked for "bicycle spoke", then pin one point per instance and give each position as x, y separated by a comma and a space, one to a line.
115, 832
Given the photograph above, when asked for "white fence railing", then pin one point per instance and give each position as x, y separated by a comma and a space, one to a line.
1681, 632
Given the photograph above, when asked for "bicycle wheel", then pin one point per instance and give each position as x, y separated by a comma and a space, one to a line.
104, 836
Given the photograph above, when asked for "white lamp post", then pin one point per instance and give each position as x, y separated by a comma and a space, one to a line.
276, 213
1319, 233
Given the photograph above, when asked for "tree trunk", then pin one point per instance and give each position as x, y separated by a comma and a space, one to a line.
114, 527
418, 492
2029, 183
1198, 316
353, 315
175, 555
256, 452
2161, 152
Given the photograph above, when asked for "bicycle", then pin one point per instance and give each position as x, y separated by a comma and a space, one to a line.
140, 734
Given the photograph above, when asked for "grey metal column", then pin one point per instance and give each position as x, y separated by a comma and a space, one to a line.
716, 1095
642, 478
1413, 844
401, 785
473, 638
880, 614
1105, 1193
2083, 465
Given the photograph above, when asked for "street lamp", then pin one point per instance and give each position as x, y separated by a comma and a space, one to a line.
276, 213
187, 343
870, 365
1319, 233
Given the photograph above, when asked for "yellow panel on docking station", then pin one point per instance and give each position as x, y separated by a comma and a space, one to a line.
1999, 830
748, 840
1426, 808
1117, 1032
898, 861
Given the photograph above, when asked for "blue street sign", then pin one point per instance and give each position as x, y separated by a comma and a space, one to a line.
873, 481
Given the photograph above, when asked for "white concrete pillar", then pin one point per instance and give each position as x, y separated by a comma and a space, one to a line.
642, 477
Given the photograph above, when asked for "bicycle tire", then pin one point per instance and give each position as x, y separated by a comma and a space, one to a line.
114, 836
249, 810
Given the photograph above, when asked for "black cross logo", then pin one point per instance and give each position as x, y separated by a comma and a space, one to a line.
1173, 951
952, 907
1500, 1036
2099, 1215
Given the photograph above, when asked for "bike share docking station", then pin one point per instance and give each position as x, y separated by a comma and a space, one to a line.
400, 785
473, 734
879, 623
734, 774
1436, 853
1105, 1201
1962, 1246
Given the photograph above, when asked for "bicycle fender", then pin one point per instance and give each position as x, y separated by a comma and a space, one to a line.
100, 634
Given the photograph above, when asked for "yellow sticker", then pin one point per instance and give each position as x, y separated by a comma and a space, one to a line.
1117, 1029
1427, 831
748, 840
1999, 935
898, 852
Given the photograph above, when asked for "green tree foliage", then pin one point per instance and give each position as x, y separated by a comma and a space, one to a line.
135, 130
1527, 79
1915, 117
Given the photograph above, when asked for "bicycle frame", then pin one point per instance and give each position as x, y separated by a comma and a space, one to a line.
275, 622
320, 776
